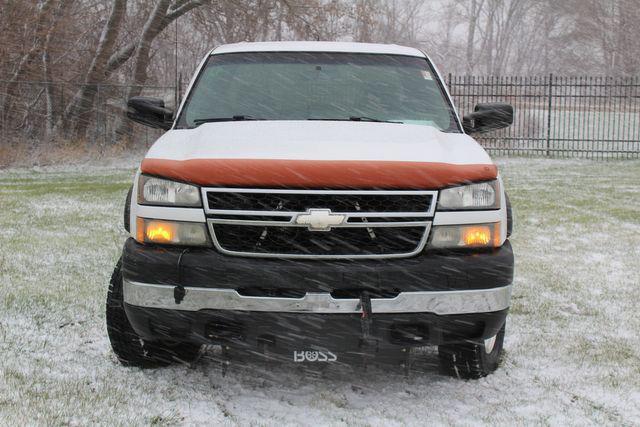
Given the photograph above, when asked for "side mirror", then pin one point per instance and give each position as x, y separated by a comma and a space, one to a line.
488, 117
149, 112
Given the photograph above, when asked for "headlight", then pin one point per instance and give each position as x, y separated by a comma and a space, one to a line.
162, 192
484, 195
466, 236
171, 232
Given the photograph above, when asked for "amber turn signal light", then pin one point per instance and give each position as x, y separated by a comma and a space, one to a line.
159, 231
476, 236
466, 236
171, 232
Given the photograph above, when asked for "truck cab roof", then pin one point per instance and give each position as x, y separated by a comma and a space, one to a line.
310, 46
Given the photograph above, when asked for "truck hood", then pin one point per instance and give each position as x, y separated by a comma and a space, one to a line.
318, 154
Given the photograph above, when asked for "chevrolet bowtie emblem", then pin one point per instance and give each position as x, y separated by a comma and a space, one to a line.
320, 219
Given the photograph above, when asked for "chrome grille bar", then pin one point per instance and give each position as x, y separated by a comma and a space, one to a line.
291, 223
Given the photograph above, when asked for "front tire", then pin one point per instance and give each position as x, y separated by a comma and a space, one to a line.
132, 350
471, 359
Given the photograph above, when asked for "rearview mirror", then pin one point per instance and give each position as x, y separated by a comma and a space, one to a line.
488, 117
149, 112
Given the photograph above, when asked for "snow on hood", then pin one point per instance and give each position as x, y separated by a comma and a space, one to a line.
318, 154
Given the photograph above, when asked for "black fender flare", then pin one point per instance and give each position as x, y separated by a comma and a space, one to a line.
127, 210
509, 216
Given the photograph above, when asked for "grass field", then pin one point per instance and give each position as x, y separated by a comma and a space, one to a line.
572, 346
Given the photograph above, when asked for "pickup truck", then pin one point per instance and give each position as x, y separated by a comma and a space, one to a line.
316, 201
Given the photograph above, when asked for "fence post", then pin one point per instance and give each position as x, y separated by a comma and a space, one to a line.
550, 95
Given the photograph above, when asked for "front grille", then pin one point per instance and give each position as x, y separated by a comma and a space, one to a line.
295, 202
371, 224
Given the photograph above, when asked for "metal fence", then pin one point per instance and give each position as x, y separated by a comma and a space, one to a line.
592, 117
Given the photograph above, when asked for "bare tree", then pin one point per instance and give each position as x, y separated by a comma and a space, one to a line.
107, 59
43, 18
46, 67
83, 99
497, 31
606, 30
164, 12
474, 9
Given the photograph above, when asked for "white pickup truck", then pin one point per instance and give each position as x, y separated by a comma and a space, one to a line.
316, 201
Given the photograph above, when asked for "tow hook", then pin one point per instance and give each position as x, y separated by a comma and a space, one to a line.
368, 344
366, 320
178, 294
179, 291
365, 317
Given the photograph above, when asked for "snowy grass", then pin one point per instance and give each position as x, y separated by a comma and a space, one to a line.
572, 346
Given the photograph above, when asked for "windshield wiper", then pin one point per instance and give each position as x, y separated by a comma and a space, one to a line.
237, 118
371, 119
358, 119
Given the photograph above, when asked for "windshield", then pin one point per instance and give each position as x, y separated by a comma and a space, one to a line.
318, 86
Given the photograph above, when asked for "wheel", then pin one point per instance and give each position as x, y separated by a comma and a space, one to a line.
132, 350
471, 360
509, 216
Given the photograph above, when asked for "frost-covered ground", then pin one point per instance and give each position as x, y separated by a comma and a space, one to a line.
572, 347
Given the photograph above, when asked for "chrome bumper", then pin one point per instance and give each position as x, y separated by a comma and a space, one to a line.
438, 302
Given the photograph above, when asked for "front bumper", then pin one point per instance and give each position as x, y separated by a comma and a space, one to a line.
200, 295
196, 299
